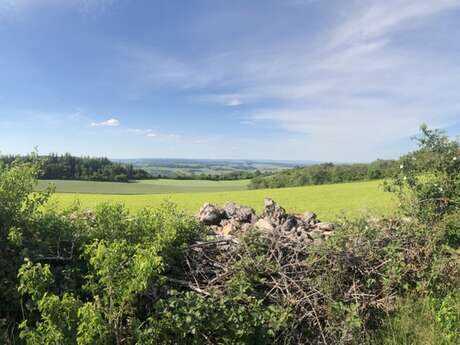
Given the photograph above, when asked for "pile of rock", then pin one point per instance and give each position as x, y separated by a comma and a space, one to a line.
234, 219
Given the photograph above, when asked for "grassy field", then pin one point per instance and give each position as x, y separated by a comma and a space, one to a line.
327, 201
161, 186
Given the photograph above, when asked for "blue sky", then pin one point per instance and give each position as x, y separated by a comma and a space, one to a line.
270, 79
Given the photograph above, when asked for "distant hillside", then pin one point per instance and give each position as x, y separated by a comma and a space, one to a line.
326, 173
209, 169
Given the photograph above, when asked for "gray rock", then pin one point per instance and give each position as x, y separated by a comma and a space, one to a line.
289, 224
274, 212
243, 214
310, 218
210, 215
235, 219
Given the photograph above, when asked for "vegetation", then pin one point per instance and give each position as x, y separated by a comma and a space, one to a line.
328, 201
109, 277
68, 167
156, 186
202, 169
326, 173
218, 176
423, 320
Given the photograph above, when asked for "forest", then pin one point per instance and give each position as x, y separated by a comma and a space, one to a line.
326, 173
68, 167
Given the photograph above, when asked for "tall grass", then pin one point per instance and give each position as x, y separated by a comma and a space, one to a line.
423, 321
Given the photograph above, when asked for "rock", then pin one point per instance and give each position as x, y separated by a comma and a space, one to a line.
210, 215
302, 228
264, 225
289, 223
310, 218
269, 203
325, 226
235, 219
275, 213
228, 229
243, 214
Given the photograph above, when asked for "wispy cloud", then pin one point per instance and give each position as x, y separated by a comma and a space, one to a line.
229, 100
380, 18
150, 133
355, 82
17, 7
107, 123
138, 130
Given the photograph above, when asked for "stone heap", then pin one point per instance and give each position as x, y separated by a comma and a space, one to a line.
234, 219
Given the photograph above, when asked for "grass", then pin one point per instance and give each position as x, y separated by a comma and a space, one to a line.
160, 186
423, 321
327, 201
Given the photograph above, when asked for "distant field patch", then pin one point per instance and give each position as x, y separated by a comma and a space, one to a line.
160, 186
327, 201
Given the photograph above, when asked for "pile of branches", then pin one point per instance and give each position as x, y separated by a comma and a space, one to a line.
336, 292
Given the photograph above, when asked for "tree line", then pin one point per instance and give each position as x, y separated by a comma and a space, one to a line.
326, 173
227, 176
68, 167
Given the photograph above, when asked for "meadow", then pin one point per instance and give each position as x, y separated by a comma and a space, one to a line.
158, 186
328, 201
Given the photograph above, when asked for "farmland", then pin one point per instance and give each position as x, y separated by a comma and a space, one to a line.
160, 186
190, 167
327, 201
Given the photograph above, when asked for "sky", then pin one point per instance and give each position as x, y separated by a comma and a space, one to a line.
323, 80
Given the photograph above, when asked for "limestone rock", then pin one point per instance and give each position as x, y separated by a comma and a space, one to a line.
210, 215
274, 212
234, 219
243, 214
310, 218
289, 224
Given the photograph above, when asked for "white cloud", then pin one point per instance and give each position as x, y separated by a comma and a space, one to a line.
150, 133
108, 123
138, 130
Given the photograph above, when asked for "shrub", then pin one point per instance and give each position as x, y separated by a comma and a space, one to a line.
428, 183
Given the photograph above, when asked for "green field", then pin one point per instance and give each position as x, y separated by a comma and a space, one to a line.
328, 201
160, 186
